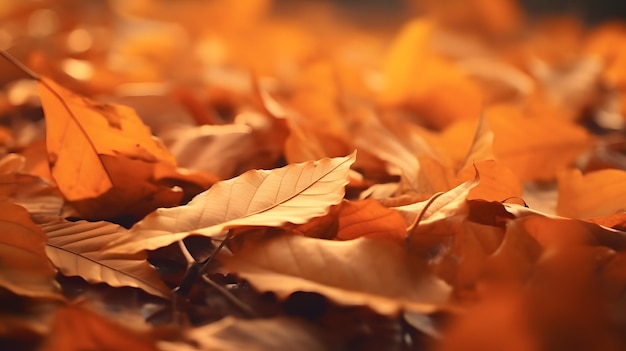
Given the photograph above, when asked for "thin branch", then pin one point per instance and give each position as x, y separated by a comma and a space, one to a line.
230, 297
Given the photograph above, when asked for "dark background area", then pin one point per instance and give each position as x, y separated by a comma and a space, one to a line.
591, 11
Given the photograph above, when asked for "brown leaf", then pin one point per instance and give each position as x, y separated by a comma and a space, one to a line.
291, 194
75, 248
376, 273
25, 269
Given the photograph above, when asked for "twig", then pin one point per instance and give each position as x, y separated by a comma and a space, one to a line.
230, 297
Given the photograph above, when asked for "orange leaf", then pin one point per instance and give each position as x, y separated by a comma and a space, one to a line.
599, 193
25, 269
76, 329
368, 218
535, 147
96, 148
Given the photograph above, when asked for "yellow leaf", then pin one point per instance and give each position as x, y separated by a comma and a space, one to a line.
376, 273
291, 194
75, 248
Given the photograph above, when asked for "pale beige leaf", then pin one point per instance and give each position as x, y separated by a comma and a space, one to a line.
291, 194
75, 248
24, 267
440, 206
376, 273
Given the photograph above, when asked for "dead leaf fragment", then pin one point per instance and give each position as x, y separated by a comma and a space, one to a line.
376, 273
291, 194
75, 248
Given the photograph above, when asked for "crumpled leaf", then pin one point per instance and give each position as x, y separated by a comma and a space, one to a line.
25, 269
291, 194
101, 154
75, 248
595, 194
75, 329
376, 273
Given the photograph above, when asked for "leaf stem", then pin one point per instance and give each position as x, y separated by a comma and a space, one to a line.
20, 65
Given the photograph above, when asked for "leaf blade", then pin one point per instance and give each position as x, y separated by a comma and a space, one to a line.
291, 194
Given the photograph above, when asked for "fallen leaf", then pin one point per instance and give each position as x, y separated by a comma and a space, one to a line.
368, 218
535, 147
25, 269
291, 194
75, 329
260, 334
434, 88
595, 194
75, 248
376, 273
81, 133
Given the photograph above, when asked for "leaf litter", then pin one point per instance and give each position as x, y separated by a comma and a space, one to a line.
291, 178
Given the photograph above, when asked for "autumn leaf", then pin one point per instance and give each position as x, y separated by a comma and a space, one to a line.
353, 272
368, 218
418, 78
291, 194
75, 248
25, 267
92, 147
595, 194
535, 147
259, 334
75, 328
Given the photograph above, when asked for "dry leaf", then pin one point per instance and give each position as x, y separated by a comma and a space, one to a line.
25, 269
595, 194
292, 194
376, 273
535, 147
437, 90
368, 218
77, 329
259, 335
92, 148
75, 248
